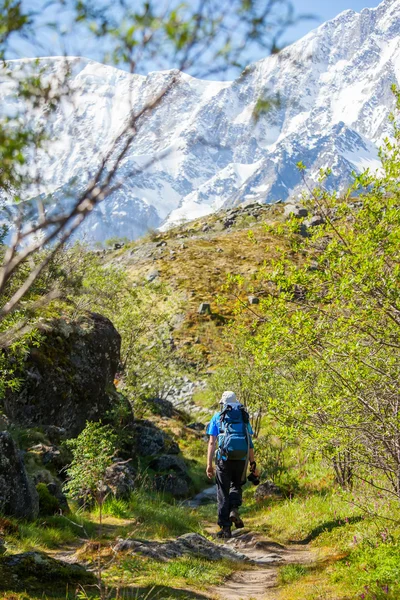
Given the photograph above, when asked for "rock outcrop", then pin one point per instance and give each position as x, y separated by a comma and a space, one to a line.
31, 571
18, 496
120, 479
68, 380
188, 544
149, 440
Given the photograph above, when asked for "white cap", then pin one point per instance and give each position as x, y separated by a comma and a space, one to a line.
228, 398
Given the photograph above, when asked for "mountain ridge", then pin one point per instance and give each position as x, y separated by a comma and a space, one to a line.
329, 99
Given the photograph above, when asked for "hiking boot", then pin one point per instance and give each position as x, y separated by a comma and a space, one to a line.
235, 518
224, 533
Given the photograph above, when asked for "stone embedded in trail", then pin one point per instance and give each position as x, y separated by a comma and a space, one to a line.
192, 544
152, 276
68, 379
18, 496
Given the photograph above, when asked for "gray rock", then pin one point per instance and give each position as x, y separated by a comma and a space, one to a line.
74, 370
314, 221
172, 484
161, 244
253, 300
197, 426
267, 490
168, 462
191, 544
55, 434
120, 479
152, 275
56, 491
18, 496
149, 440
163, 407
295, 210
39, 567
204, 309
228, 223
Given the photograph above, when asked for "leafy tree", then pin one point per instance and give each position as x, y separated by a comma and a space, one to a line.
93, 452
328, 339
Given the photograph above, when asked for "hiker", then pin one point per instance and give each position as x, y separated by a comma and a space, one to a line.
230, 427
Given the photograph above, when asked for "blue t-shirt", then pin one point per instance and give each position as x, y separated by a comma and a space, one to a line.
214, 429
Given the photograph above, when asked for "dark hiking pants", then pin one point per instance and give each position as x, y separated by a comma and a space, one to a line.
228, 476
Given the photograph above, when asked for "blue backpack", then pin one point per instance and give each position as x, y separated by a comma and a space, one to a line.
233, 441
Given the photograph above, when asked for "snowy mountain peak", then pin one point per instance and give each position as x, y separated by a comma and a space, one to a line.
329, 95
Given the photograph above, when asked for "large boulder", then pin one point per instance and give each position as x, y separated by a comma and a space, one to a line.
168, 462
149, 440
120, 479
34, 571
173, 484
68, 379
18, 496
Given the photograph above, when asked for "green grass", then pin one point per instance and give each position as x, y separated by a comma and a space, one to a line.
356, 536
152, 516
291, 573
182, 572
49, 533
372, 569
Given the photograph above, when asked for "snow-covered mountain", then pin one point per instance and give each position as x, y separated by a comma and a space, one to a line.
202, 147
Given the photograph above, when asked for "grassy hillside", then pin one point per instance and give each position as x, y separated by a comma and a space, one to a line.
195, 260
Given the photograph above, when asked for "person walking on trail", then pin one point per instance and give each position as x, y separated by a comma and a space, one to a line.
230, 430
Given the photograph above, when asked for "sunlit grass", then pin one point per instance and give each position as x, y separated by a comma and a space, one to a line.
152, 516
178, 573
49, 533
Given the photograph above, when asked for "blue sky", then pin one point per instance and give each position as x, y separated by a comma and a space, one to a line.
324, 10
49, 42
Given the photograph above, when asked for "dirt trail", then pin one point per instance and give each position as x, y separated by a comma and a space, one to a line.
259, 581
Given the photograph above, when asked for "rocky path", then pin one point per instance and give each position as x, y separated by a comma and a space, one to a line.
260, 557
259, 580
